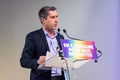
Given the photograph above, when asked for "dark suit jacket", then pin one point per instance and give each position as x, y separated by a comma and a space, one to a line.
35, 46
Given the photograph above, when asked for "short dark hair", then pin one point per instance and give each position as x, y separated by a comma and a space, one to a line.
43, 13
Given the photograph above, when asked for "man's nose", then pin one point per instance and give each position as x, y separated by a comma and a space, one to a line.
56, 20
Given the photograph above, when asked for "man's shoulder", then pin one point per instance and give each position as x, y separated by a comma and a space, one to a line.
34, 33
38, 31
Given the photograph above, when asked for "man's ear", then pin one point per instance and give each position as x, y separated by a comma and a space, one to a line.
42, 20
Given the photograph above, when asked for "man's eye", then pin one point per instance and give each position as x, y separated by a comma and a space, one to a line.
52, 16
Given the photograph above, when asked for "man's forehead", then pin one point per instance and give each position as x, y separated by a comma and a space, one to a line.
52, 13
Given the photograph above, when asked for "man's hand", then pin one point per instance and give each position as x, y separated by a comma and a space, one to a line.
41, 59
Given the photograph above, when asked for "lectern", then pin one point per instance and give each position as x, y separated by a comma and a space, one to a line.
72, 52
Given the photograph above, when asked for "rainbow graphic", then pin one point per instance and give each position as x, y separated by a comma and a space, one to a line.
78, 49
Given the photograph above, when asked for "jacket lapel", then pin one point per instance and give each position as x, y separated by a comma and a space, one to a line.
42, 35
44, 40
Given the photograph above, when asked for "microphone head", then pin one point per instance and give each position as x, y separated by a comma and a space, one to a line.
64, 30
58, 29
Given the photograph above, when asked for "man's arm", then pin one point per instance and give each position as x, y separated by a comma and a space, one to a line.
27, 59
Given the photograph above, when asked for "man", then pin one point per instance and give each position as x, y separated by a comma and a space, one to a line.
39, 42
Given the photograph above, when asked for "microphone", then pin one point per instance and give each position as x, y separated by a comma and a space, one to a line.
58, 30
58, 47
71, 37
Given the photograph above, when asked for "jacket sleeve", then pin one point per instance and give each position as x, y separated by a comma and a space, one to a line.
27, 59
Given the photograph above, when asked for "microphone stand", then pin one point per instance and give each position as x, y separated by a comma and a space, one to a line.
71, 37
66, 71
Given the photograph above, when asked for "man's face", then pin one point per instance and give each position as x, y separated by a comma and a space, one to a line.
50, 23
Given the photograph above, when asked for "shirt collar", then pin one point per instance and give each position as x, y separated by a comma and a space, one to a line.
46, 33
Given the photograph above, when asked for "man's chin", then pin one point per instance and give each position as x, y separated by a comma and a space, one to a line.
54, 28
